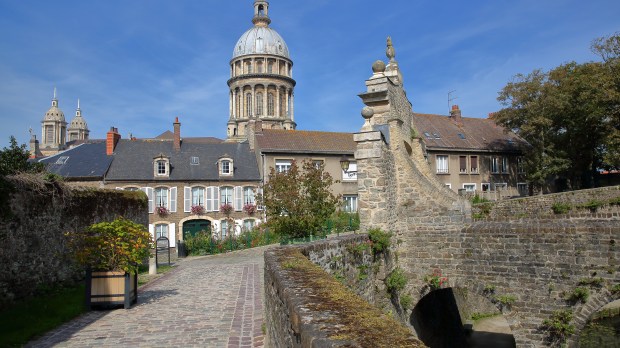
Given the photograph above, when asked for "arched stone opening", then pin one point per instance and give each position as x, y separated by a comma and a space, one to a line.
456, 317
601, 328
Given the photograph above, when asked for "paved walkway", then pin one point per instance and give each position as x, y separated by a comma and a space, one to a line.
213, 301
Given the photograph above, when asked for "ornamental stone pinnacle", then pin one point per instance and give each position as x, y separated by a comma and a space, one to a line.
390, 52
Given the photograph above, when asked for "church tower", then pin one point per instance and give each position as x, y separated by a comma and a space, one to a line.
54, 129
261, 83
78, 129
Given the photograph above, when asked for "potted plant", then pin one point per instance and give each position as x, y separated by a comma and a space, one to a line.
111, 253
249, 209
162, 211
226, 209
197, 209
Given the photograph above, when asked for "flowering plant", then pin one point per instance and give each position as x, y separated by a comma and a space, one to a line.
249, 208
226, 209
435, 280
162, 211
198, 209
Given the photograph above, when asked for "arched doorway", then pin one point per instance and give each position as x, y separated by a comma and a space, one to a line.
192, 227
603, 327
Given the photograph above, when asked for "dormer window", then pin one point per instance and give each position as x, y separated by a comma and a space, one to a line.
161, 166
226, 167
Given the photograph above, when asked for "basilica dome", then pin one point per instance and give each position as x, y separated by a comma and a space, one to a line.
261, 40
79, 123
54, 114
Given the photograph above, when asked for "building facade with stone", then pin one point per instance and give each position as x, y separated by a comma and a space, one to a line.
473, 155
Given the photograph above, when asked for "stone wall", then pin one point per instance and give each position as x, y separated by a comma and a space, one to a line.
542, 205
32, 244
308, 305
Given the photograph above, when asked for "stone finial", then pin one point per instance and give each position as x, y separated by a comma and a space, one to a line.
367, 114
390, 52
378, 67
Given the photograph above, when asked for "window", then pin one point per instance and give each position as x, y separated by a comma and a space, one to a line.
318, 164
223, 228
131, 189
436, 136
486, 187
350, 203
427, 135
49, 134
473, 164
249, 67
259, 104
520, 165
161, 197
283, 165
523, 189
469, 187
449, 186
161, 230
502, 186
62, 160
226, 195
494, 164
504, 165
259, 66
226, 167
270, 104
442, 164
248, 224
194, 161
282, 106
248, 104
198, 196
351, 173
463, 164
461, 136
161, 166
270, 68
248, 195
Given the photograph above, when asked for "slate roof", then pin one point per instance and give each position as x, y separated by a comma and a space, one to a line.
133, 161
85, 161
168, 135
475, 134
295, 141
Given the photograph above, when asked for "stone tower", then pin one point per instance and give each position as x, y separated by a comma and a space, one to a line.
54, 129
78, 129
261, 83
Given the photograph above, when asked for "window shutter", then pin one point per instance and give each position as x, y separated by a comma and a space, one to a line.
172, 235
238, 198
173, 199
259, 204
152, 231
187, 199
149, 195
216, 198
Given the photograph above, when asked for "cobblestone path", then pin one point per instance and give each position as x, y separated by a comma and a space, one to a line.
213, 301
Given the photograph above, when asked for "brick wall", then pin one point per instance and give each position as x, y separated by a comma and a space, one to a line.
32, 245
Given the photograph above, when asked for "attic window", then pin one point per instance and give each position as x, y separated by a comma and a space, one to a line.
436, 135
161, 166
510, 142
461, 135
194, 161
426, 134
62, 160
226, 167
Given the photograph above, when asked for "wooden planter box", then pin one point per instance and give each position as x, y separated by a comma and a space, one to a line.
111, 289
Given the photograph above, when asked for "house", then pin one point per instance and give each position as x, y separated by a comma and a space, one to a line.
473, 154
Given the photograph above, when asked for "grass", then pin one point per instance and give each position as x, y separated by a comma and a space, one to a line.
33, 317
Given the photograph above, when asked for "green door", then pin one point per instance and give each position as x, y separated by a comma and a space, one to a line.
191, 228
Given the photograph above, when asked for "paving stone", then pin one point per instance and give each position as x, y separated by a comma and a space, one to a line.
212, 301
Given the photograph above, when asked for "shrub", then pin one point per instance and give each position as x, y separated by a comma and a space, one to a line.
435, 280
593, 205
396, 280
559, 326
615, 289
406, 301
343, 221
477, 199
561, 208
120, 245
579, 294
506, 300
593, 282
380, 240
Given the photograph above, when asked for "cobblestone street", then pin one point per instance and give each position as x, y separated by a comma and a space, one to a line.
212, 301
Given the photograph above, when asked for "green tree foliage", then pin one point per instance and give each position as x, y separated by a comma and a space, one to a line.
298, 202
13, 160
570, 115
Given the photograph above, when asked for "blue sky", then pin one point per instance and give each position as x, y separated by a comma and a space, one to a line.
138, 64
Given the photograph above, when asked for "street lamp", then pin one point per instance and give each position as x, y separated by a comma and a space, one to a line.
344, 164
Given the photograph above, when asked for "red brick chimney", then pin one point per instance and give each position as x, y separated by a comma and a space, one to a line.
455, 114
111, 141
177, 135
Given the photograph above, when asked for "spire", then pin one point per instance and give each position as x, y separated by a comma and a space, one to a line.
54, 100
261, 13
78, 111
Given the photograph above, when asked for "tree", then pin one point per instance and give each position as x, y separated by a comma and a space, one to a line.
569, 115
13, 160
298, 202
